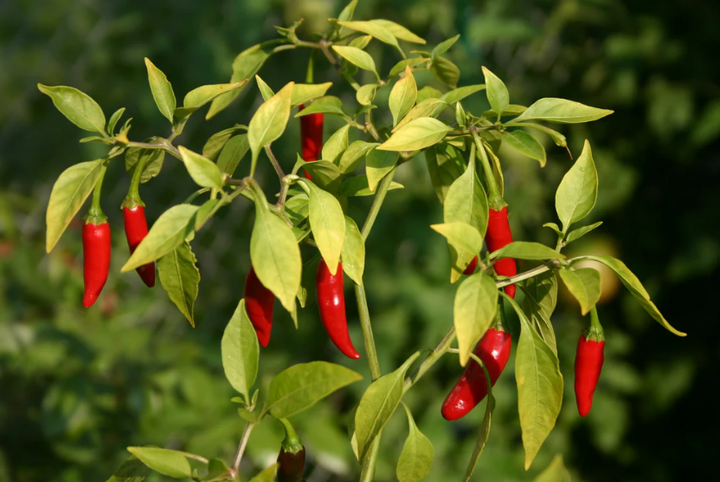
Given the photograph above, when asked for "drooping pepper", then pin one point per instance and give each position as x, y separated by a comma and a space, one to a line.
588, 363
494, 351
311, 137
136, 229
498, 236
331, 301
96, 247
259, 306
291, 459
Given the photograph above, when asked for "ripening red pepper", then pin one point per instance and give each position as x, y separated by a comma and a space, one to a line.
494, 351
136, 229
311, 137
259, 306
588, 364
498, 236
331, 301
96, 258
471, 267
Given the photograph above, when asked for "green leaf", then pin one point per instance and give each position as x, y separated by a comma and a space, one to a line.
153, 162
557, 138
525, 144
267, 475
633, 284
347, 12
540, 386
584, 285
497, 93
200, 96
540, 300
77, 106
297, 208
555, 472
162, 90
132, 470
445, 71
580, 232
167, 462
206, 211
245, 66
240, 352
398, 31
445, 164
428, 92
402, 97
473, 311
203, 171
232, 153
180, 278
336, 144
324, 174
360, 42
417, 134
303, 93
562, 111
327, 223
269, 122
510, 110
482, 438
217, 141
375, 29
113, 122
353, 155
169, 231
444, 46
324, 105
353, 252
464, 243
275, 255
301, 386
377, 405
68, 194
357, 186
265, 89
357, 57
577, 193
456, 95
427, 108
417, 454
366, 94
411, 62
378, 164
526, 250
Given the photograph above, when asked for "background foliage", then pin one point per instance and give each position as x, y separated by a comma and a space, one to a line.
78, 386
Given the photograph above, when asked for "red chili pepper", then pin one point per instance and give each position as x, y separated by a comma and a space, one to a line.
311, 137
588, 363
471, 267
331, 301
498, 236
96, 259
259, 306
135, 230
494, 351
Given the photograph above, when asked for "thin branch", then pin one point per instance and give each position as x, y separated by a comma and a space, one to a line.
275, 163
242, 445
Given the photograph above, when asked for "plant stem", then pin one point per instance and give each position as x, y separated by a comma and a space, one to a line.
242, 445
275, 163
531, 273
377, 204
166, 146
494, 198
431, 359
368, 337
95, 214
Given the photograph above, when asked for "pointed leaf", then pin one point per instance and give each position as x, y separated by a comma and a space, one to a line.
232, 153
555, 472
473, 311
303, 93
584, 285
152, 161
132, 470
245, 66
456, 95
357, 186
167, 462
353, 252
336, 144
77, 106
526, 250
577, 193
417, 134
217, 141
411, 62
446, 71
562, 111
417, 454
580, 232
328, 225
240, 352
483, 435
375, 29
357, 57
398, 31
366, 94
497, 93
200, 96
378, 164
402, 97
180, 278
444, 46
267, 475
526, 144
68, 194
270, 120
427, 108
353, 155
162, 90
324, 105
265, 89
204, 172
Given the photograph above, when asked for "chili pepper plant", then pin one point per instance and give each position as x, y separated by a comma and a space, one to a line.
307, 205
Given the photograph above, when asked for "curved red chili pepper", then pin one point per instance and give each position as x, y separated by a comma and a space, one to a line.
498, 236
259, 306
135, 230
311, 137
588, 363
471, 267
494, 351
331, 301
96, 259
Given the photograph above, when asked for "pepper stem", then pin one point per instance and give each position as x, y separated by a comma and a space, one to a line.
291, 443
595, 332
309, 75
132, 199
495, 199
499, 323
95, 214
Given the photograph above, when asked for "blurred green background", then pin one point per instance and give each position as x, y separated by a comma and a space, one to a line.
77, 386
